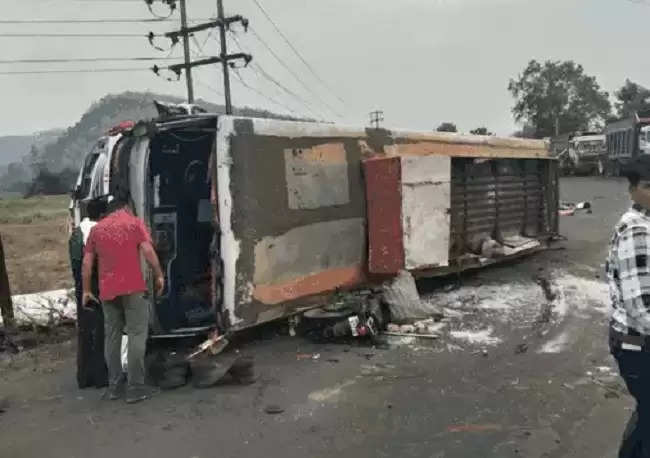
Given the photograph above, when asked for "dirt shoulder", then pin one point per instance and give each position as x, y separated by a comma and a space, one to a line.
35, 238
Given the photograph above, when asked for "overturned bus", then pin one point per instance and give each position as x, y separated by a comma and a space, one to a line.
257, 219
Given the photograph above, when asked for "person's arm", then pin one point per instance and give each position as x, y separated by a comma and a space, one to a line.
86, 277
633, 270
147, 250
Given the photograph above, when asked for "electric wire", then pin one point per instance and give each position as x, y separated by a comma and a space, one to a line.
291, 72
94, 21
78, 70
85, 59
264, 74
296, 52
260, 93
73, 35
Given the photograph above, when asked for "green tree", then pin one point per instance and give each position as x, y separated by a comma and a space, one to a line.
631, 98
557, 97
447, 127
480, 131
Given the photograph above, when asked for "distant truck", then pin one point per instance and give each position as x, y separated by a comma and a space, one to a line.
627, 139
581, 153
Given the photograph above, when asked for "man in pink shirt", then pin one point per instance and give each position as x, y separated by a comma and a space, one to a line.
116, 242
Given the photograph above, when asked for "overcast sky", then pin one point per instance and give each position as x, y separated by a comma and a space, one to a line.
420, 61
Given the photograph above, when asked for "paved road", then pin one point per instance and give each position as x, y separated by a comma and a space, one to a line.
514, 375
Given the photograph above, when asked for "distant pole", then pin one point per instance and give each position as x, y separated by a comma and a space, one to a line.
186, 52
224, 56
6, 307
376, 117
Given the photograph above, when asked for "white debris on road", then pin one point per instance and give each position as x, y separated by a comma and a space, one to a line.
47, 308
482, 337
519, 305
555, 345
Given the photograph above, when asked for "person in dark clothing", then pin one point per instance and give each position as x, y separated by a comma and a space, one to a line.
91, 366
628, 275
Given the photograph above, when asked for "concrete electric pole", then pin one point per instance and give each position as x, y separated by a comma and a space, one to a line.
225, 59
186, 52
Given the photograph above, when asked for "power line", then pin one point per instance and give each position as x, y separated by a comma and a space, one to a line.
260, 71
209, 87
85, 59
263, 73
91, 21
84, 70
73, 35
293, 48
260, 93
296, 77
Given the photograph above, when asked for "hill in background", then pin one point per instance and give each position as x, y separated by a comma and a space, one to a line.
62, 154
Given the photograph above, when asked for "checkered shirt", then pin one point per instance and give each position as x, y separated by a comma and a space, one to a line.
628, 272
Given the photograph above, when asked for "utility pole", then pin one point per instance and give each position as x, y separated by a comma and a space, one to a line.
225, 59
376, 117
186, 52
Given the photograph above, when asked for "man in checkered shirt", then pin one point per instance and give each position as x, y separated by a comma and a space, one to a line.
628, 274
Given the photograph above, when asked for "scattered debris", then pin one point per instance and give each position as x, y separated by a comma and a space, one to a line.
403, 300
215, 344
273, 409
48, 308
473, 428
546, 287
569, 208
403, 334
521, 348
302, 356
392, 327
293, 321
482, 337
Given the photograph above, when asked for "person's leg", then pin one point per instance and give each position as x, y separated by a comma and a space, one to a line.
137, 326
631, 366
84, 334
643, 403
113, 326
101, 371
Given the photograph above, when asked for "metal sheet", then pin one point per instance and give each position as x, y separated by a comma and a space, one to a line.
384, 206
317, 176
425, 210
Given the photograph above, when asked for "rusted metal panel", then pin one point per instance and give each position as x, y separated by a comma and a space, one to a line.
501, 197
383, 178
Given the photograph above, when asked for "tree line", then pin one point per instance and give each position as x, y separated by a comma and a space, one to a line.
557, 97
